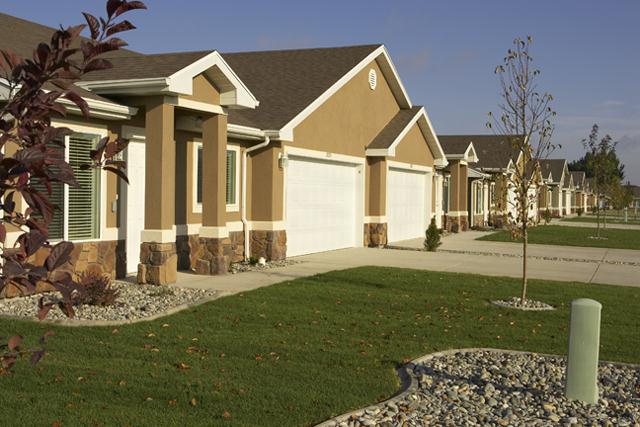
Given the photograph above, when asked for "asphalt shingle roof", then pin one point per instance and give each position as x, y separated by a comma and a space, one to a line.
494, 151
454, 144
286, 81
391, 131
555, 166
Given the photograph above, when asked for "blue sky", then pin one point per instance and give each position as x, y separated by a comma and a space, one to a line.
445, 51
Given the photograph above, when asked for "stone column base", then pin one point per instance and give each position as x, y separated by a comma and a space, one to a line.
375, 235
270, 244
213, 256
158, 263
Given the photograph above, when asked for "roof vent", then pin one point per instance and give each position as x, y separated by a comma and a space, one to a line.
373, 79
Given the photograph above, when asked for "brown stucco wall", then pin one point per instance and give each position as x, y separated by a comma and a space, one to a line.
204, 91
413, 148
351, 118
376, 179
266, 195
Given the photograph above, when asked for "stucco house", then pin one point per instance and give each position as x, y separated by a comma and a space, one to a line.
231, 155
557, 178
579, 196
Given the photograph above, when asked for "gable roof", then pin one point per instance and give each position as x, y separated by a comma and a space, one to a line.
385, 143
394, 128
456, 148
292, 83
494, 152
578, 179
555, 167
22, 37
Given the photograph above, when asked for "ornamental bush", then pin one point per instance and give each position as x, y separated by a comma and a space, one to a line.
432, 240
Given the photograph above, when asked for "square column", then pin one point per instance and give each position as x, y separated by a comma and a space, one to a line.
215, 250
375, 227
158, 259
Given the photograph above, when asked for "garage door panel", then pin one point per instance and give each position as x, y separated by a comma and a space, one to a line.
406, 204
320, 206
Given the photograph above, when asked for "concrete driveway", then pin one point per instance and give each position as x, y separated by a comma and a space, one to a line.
488, 258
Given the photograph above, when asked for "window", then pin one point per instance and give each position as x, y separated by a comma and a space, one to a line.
479, 197
445, 194
231, 178
78, 216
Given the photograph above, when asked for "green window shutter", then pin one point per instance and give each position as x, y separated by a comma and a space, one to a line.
231, 177
83, 212
199, 174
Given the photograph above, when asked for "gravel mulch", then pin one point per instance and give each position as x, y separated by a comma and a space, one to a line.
529, 304
135, 302
241, 267
493, 387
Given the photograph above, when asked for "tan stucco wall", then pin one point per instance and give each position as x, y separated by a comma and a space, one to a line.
413, 148
265, 182
351, 118
204, 91
376, 178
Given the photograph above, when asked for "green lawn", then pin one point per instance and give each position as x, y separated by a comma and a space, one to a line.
574, 236
294, 353
610, 220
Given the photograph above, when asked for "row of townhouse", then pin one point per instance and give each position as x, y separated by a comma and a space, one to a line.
263, 154
477, 190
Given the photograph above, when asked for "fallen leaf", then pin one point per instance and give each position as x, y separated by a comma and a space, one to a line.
226, 415
258, 357
173, 402
165, 325
182, 365
193, 402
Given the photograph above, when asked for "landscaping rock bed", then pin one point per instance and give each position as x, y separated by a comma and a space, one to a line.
134, 302
494, 387
241, 267
529, 304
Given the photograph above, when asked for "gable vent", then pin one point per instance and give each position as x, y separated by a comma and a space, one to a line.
373, 79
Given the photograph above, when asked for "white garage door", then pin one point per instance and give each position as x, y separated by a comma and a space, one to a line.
406, 204
320, 206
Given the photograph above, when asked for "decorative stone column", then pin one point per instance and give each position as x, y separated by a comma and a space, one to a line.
215, 250
158, 259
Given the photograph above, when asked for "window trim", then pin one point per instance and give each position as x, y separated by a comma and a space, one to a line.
99, 132
197, 207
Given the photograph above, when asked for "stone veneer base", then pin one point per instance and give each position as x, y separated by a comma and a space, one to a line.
375, 235
158, 263
270, 244
99, 257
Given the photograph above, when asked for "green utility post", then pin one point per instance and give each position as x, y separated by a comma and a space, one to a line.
584, 343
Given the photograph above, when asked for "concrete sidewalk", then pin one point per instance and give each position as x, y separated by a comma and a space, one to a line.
488, 264
466, 242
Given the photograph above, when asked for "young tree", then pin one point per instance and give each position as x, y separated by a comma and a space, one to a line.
525, 118
602, 161
31, 161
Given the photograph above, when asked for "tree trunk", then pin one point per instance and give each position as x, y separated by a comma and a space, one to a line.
598, 216
525, 239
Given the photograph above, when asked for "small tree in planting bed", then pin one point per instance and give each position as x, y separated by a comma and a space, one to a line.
603, 163
432, 240
525, 118
33, 158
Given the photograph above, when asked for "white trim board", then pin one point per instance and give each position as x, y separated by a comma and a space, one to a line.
233, 91
408, 166
323, 155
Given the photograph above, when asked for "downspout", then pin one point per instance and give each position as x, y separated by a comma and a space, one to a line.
245, 223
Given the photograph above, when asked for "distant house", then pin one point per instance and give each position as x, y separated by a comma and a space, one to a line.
635, 190
558, 186
579, 200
